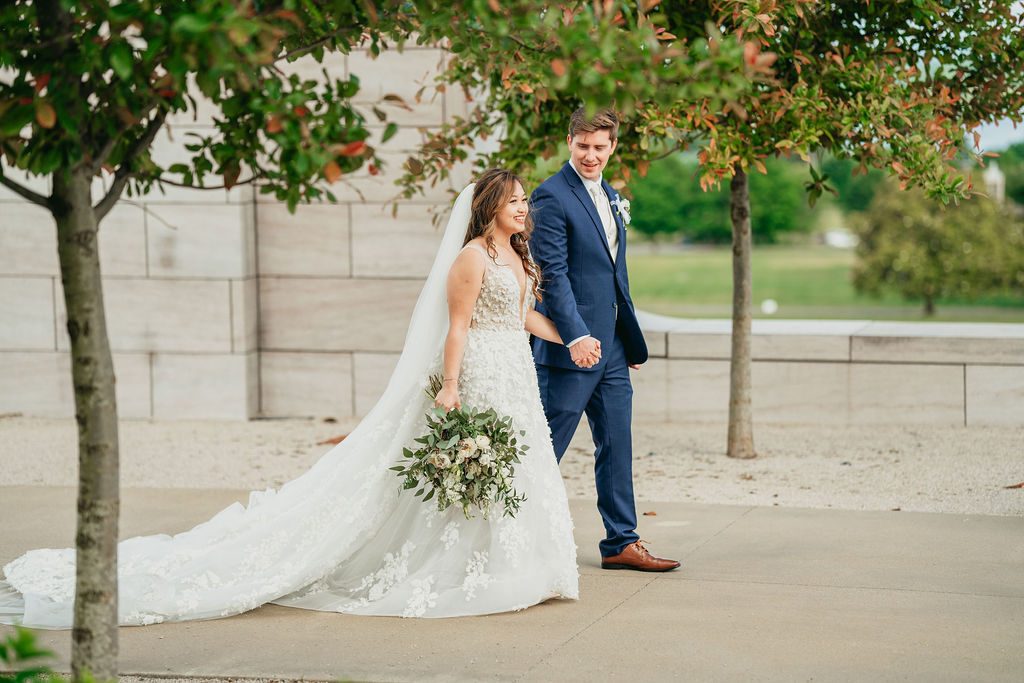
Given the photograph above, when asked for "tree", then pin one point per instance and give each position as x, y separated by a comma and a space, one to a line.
85, 88
890, 85
673, 202
926, 252
1011, 163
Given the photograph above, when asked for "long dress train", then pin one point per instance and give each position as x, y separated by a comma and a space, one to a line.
343, 536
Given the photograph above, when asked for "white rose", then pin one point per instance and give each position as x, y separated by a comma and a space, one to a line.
482, 442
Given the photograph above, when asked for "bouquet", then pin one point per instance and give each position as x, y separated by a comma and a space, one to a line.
466, 458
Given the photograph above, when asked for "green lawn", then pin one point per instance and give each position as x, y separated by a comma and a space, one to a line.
805, 281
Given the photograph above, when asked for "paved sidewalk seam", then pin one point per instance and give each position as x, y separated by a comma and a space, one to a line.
840, 586
586, 628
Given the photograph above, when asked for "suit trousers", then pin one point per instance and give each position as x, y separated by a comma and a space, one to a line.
606, 396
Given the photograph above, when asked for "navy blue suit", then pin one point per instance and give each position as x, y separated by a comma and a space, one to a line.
586, 293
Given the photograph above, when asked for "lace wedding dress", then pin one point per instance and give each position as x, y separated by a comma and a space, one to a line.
344, 537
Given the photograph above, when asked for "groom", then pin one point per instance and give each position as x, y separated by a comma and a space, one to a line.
579, 240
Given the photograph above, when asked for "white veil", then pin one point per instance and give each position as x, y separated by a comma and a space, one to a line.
284, 540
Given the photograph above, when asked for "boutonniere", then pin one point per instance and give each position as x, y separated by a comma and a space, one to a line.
621, 207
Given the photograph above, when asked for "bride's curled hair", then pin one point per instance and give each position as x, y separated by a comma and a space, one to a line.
493, 190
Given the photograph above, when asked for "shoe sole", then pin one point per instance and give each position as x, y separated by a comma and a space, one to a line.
616, 565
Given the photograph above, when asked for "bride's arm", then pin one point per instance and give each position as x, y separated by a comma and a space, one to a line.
464, 281
539, 325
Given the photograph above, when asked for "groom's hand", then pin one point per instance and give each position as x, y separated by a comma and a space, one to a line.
586, 352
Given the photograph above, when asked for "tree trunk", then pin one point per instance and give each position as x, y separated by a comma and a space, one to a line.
94, 639
741, 428
929, 306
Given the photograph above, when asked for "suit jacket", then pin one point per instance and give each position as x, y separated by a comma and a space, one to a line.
584, 291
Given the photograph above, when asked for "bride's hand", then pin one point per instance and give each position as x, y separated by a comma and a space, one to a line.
448, 397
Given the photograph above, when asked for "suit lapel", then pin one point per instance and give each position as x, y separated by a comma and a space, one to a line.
587, 201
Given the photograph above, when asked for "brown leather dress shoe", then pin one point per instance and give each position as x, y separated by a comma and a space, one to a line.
635, 556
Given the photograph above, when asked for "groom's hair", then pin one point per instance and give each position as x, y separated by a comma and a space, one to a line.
605, 119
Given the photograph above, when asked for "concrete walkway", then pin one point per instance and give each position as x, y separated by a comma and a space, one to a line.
764, 594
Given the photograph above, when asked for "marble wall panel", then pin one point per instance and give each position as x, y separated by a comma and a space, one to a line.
29, 240
800, 392
27, 315
164, 315
244, 315
133, 388
219, 386
995, 395
885, 393
315, 240
330, 314
371, 372
651, 390
122, 237
36, 384
394, 246
306, 384
202, 241
40, 184
706, 346
401, 74
698, 390
39, 384
998, 348
657, 344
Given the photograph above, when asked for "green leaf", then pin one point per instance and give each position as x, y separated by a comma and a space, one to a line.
389, 132
121, 60
191, 24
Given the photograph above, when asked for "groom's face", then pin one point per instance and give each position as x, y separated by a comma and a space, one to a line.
590, 152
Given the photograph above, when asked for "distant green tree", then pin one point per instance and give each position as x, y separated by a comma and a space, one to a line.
1011, 163
670, 201
924, 251
855, 191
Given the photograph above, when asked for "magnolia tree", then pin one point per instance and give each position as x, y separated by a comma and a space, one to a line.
85, 88
890, 85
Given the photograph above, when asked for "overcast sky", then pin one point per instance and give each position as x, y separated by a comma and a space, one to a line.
996, 138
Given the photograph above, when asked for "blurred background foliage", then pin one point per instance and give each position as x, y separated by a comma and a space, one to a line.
871, 251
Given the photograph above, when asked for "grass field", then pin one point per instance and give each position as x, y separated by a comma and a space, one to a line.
805, 281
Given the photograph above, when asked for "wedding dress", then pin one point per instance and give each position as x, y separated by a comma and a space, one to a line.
343, 536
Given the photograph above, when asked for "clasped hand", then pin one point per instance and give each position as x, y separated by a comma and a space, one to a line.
586, 352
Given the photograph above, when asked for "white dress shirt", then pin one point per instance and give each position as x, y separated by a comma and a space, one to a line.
604, 211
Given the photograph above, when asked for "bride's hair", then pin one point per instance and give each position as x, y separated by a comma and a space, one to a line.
493, 189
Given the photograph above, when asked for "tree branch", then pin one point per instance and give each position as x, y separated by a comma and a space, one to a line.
175, 183
24, 192
124, 172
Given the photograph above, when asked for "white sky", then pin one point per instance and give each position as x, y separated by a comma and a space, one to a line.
996, 138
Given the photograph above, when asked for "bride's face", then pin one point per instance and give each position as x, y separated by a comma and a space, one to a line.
511, 218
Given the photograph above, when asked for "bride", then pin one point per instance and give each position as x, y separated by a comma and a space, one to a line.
344, 537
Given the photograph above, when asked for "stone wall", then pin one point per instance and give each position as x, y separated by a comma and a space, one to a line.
838, 371
223, 305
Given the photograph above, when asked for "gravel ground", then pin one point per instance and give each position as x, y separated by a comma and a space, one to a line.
959, 470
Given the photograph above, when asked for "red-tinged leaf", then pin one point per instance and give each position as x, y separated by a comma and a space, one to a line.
274, 124
558, 67
350, 149
46, 115
108, 168
41, 82
231, 173
650, 513
373, 169
839, 60
760, 166
397, 101
642, 167
900, 168
24, 100
1015, 486
332, 442
494, 5
167, 92
289, 15
525, 87
507, 72
163, 81
332, 172
750, 51
414, 165
300, 111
